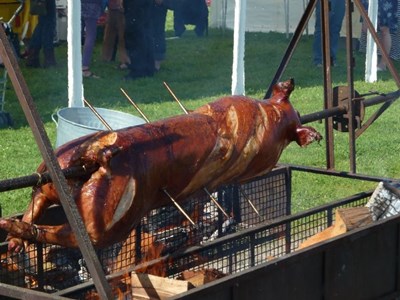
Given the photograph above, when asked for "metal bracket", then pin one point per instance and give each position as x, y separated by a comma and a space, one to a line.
340, 98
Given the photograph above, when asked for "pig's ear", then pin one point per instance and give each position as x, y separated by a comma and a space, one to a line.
306, 135
284, 88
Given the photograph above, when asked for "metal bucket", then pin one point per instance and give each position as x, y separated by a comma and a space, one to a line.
74, 122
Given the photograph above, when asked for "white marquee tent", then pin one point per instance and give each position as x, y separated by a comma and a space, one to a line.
240, 15
268, 15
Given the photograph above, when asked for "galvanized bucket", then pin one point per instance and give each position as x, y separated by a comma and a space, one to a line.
74, 122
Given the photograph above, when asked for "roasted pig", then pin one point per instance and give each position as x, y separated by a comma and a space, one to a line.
232, 139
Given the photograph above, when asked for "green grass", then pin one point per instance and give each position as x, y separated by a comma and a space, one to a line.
199, 70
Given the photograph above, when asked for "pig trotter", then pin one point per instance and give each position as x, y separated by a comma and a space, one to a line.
307, 135
20, 231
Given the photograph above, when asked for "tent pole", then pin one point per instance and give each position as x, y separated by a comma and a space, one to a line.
238, 48
75, 87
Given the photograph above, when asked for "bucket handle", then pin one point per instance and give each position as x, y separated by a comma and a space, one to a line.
53, 117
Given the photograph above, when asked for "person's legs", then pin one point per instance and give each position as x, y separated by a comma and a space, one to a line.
110, 36
139, 39
336, 16
123, 55
160, 47
202, 20
48, 34
179, 23
35, 44
90, 39
386, 39
317, 52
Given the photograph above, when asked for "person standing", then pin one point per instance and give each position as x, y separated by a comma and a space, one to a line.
90, 12
160, 45
336, 15
43, 38
387, 25
139, 40
190, 12
114, 34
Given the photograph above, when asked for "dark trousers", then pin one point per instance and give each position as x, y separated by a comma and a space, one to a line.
159, 17
193, 12
43, 35
139, 37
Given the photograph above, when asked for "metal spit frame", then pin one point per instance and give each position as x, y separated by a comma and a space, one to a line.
49, 158
348, 108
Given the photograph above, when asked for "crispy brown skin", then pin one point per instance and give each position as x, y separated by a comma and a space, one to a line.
232, 139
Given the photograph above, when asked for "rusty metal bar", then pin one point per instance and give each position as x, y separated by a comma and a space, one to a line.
350, 84
340, 110
38, 179
373, 118
43, 142
342, 174
292, 46
328, 91
16, 292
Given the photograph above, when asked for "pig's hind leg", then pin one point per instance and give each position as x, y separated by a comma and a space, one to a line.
21, 231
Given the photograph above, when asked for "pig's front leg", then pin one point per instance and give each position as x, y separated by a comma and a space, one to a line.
306, 135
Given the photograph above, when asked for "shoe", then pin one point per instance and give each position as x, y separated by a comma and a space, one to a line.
32, 60
157, 65
380, 69
123, 66
318, 65
88, 74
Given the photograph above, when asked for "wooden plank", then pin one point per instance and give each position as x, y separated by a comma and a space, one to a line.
352, 217
147, 286
346, 219
200, 277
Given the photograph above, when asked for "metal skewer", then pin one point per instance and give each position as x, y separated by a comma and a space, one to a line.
135, 106
251, 204
164, 190
216, 203
175, 98
205, 189
97, 115
179, 207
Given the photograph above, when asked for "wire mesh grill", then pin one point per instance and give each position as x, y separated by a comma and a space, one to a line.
52, 268
243, 250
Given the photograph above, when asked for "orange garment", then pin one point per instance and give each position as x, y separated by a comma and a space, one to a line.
114, 32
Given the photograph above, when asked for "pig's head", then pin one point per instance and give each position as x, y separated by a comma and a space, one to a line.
303, 135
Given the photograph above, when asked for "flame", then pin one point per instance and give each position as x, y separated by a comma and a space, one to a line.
154, 252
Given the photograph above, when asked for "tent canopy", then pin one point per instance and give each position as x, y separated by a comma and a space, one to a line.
269, 15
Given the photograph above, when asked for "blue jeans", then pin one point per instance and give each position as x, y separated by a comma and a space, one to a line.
336, 15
